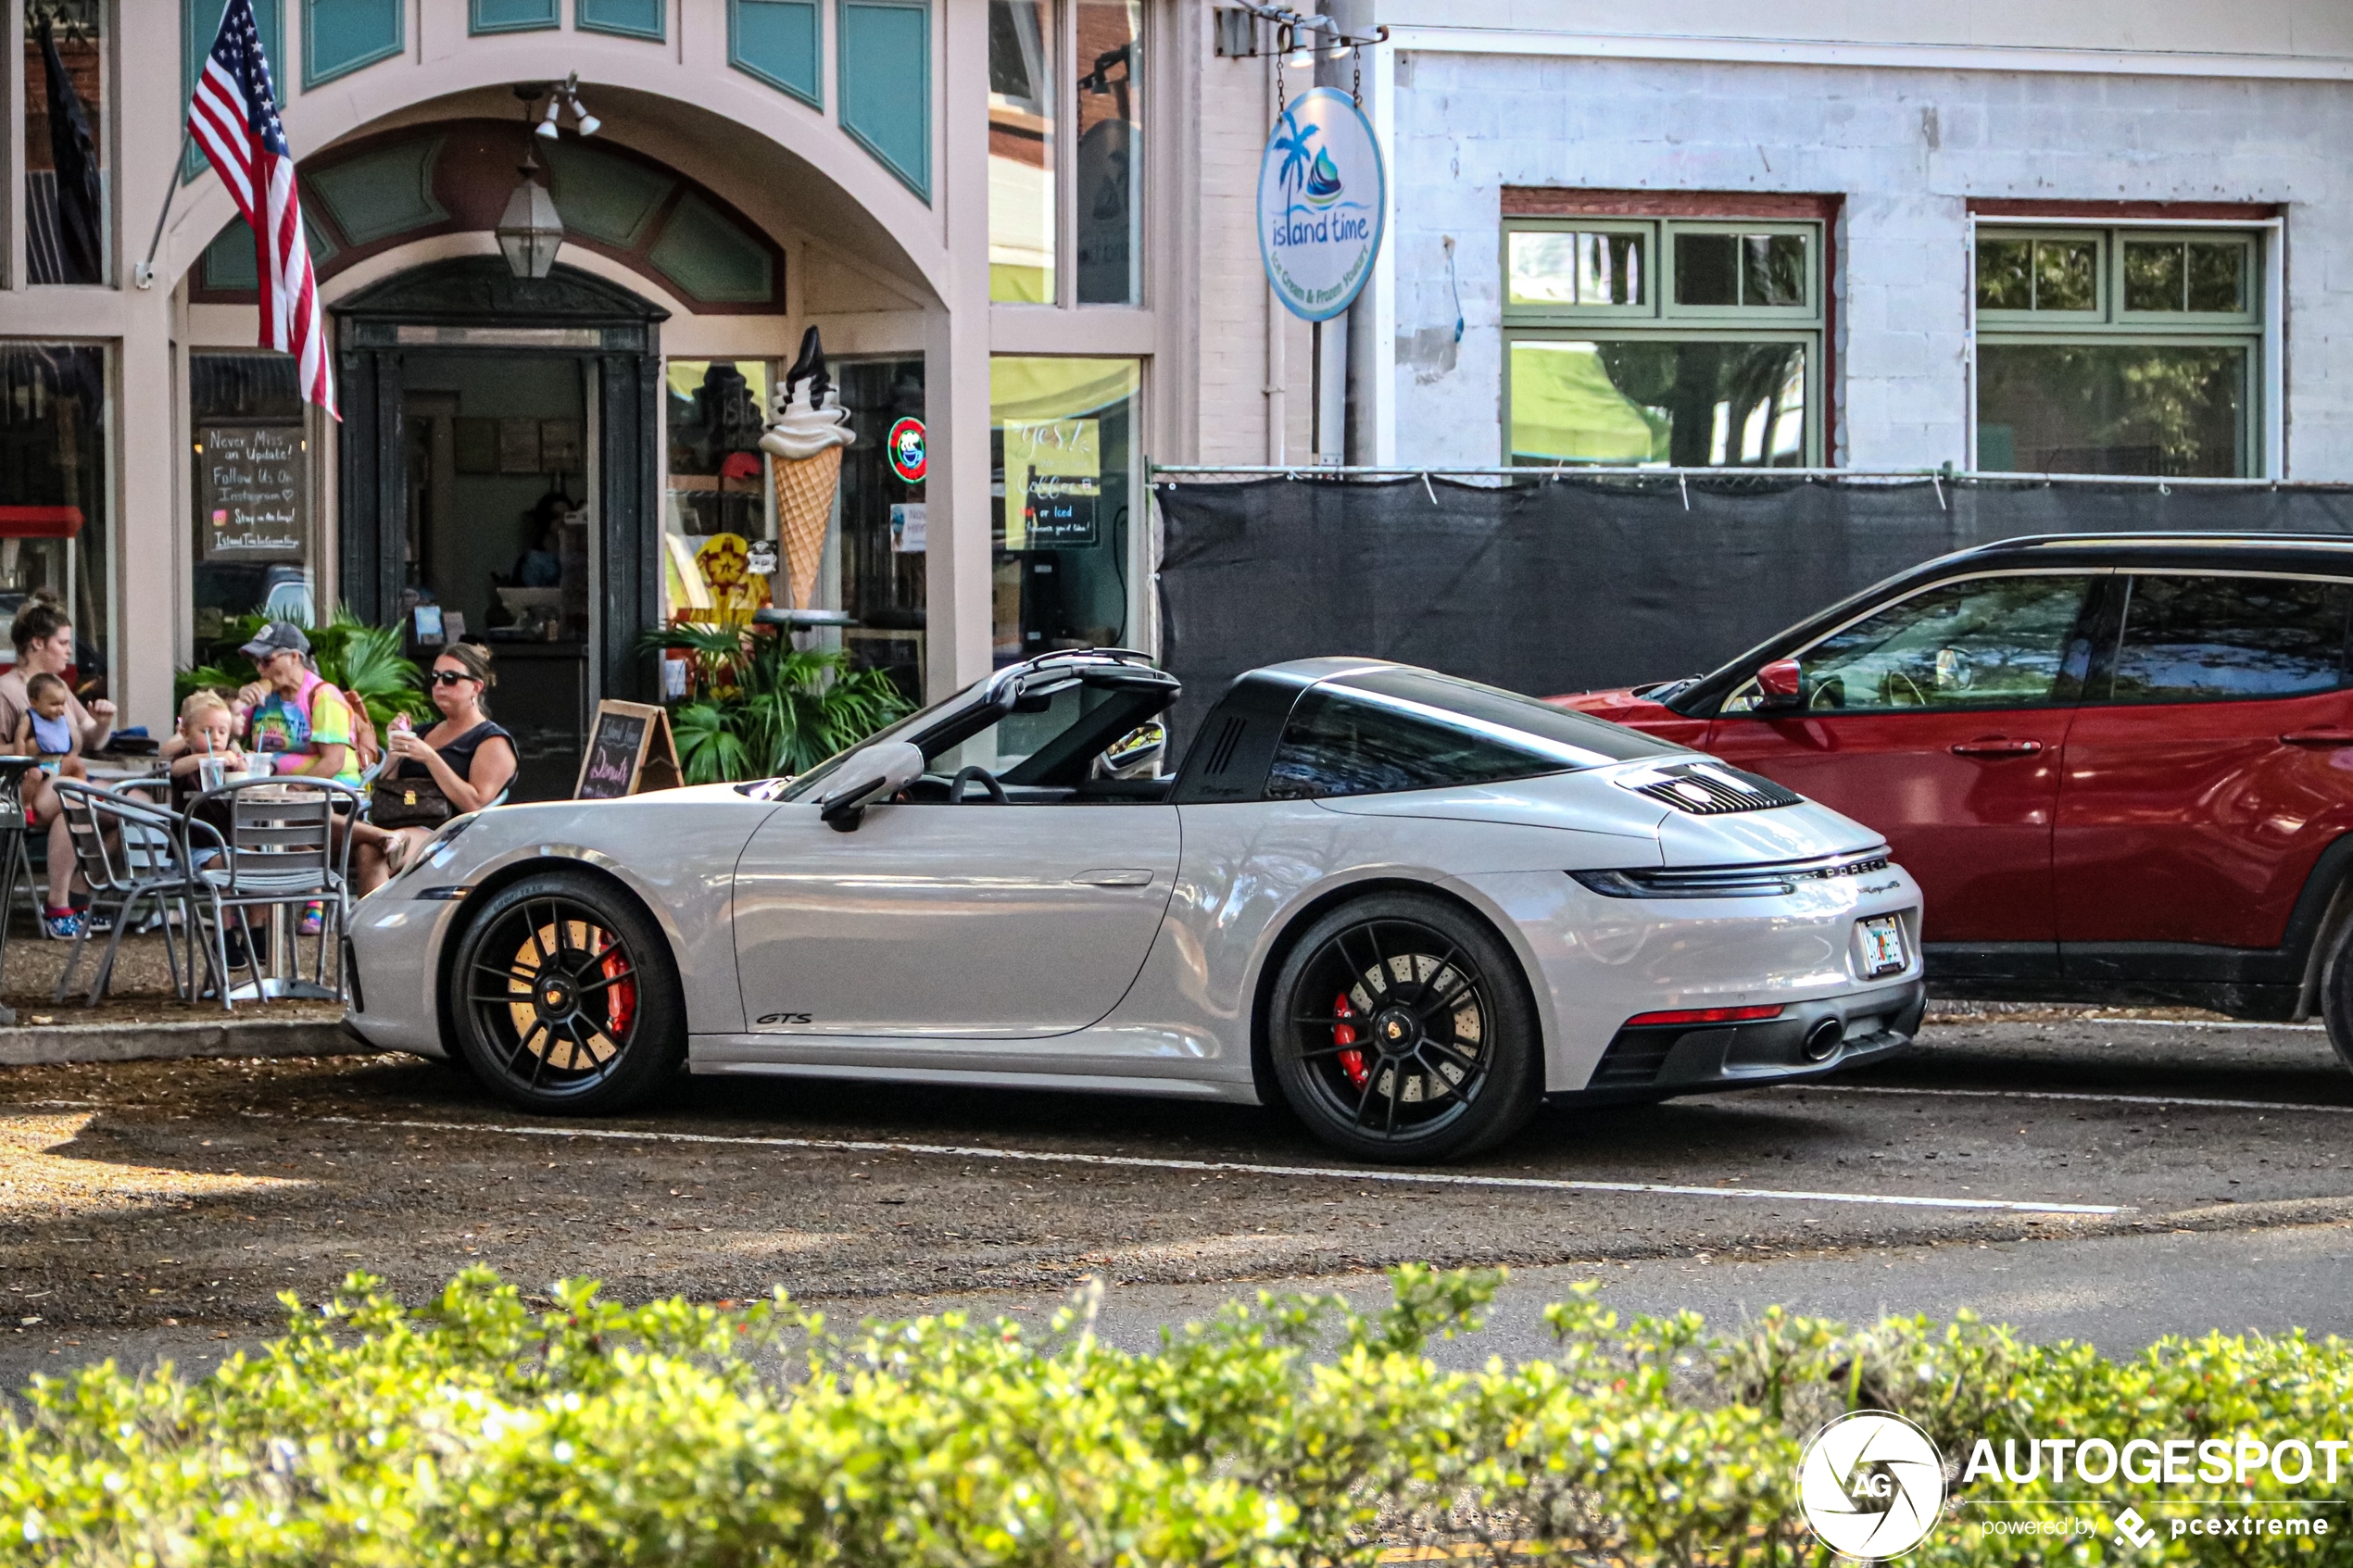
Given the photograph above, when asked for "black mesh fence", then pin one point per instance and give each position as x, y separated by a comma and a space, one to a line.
1560, 584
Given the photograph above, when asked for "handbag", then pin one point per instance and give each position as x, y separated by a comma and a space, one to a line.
409, 803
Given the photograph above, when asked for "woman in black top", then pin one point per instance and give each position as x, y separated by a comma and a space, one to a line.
469, 758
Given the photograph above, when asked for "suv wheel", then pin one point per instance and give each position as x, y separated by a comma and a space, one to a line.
2336, 991
1401, 1030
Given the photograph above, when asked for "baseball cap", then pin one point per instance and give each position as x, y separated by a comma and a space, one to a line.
279, 636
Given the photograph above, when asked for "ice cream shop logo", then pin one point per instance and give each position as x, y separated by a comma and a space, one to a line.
908, 458
1323, 197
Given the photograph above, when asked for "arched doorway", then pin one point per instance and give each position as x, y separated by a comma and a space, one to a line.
480, 411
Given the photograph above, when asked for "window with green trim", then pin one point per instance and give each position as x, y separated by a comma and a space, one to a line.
2120, 351
1649, 342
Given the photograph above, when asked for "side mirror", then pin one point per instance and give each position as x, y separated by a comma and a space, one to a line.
1135, 755
1779, 684
876, 774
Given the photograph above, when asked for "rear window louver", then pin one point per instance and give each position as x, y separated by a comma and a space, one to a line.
1707, 789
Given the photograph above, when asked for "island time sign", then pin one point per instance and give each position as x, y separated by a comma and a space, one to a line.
1323, 198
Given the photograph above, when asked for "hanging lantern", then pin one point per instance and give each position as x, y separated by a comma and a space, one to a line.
529, 232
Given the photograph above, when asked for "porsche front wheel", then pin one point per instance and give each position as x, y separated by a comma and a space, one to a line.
1401, 1030
565, 999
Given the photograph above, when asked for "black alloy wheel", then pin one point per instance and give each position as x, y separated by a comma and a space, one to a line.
565, 996
1400, 1029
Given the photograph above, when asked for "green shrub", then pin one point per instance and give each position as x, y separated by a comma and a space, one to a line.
758, 708
478, 1430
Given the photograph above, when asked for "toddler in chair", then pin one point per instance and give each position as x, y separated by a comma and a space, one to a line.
47, 729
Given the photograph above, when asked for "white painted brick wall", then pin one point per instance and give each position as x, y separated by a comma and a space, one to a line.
1467, 125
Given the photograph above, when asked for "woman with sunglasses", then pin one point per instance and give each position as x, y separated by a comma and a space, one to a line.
468, 760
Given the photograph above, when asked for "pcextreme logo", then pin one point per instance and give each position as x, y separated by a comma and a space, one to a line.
1871, 1485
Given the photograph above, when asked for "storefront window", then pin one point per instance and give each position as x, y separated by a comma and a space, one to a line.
883, 533
1063, 441
718, 486
1694, 343
55, 523
2120, 351
255, 521
1021, 151
1111, 151
67, 235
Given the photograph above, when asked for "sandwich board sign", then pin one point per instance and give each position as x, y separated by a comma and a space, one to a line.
1323, 203
630, 752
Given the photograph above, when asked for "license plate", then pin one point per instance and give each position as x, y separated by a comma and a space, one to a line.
1882, 946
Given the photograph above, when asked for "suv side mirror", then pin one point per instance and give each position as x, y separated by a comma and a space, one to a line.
1779, 684
876, 774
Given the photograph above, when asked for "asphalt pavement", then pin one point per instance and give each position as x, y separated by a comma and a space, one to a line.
2104, 1179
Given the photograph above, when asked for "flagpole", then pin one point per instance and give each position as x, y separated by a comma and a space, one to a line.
145, 273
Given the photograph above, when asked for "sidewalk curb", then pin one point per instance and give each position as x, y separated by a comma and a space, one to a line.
152, 1042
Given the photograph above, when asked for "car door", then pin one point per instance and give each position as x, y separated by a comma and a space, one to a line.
1938, 721
976, 919
2199, 789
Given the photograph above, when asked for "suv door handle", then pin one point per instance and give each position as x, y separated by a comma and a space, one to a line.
1997, 746
2317, 737
1116, 876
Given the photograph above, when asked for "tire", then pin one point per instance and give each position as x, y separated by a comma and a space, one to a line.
1463, 1068
2336, 991
565, 999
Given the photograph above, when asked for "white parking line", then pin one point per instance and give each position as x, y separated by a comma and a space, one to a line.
2059, 1094
2203, 1023
1146, 1162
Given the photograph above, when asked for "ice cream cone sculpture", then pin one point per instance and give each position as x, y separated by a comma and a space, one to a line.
803, 443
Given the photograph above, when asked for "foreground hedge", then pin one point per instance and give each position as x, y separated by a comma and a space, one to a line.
479, 1430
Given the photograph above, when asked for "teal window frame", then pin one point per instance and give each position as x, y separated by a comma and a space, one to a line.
200, 25
813, 92
917, 180
1658, 317
549, 18
584, 17
2110, 323
313, 76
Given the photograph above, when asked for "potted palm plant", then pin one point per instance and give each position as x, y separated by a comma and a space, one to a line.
756, 707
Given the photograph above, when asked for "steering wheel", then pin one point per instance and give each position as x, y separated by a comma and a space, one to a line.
988, 782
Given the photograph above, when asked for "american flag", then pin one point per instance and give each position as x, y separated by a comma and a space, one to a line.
234, 117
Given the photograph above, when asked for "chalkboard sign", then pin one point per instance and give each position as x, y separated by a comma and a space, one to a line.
250, 490
630, 752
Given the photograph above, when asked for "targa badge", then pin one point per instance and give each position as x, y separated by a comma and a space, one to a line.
905, 444
1871, 1485
1323, 198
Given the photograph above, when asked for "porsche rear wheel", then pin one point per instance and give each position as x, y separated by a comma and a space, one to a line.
566, 1000
1401, 1030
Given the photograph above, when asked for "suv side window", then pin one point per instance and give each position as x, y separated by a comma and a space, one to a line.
2208, 639
1983, 642
1338, 745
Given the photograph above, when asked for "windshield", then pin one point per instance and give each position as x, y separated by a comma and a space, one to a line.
923, 717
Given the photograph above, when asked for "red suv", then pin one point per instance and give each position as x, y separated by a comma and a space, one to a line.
2120, 767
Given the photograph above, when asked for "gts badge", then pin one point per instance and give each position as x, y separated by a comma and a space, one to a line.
783, 1018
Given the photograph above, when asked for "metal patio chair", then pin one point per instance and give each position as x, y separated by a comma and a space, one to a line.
283, 847
131, 851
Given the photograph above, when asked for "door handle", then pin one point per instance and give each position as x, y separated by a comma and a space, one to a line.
1997, 746
1114, 876
2318, 738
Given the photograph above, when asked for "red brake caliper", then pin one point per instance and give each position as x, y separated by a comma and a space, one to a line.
1350, 1062
621, 998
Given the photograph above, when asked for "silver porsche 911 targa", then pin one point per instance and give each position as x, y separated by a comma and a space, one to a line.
1407, 906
